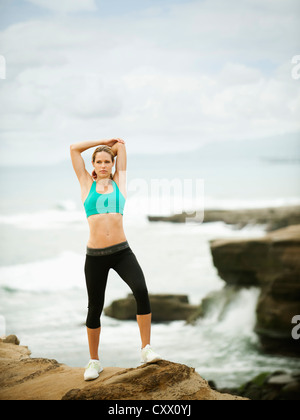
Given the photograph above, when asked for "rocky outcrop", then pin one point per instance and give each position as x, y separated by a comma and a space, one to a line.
24, 378
162, 380
164, 308
272, 263
276, 386
273, 218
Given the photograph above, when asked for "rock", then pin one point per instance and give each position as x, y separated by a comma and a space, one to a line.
252, 262
291, 391
273, 218
175, 218
162, 380
277, 386
274, 327
11, 339
24, 378
273, 264
282, 379
164, 308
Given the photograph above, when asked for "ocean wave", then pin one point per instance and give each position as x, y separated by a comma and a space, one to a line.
65, 213
66, 205
61, 273
44, 219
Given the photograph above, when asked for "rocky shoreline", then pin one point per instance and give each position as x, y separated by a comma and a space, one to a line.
26, 378
272, 263
267, 386
273, 218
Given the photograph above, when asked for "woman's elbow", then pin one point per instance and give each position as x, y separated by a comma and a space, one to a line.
74, 146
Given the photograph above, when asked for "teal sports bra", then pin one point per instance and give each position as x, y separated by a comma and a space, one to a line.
97, 203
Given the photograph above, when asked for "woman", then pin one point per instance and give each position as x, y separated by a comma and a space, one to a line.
104, 196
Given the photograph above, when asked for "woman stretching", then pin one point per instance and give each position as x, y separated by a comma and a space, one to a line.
104, 196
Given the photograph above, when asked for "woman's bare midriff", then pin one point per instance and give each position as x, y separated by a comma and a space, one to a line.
105, 230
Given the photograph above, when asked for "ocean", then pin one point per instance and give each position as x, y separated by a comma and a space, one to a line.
44, 233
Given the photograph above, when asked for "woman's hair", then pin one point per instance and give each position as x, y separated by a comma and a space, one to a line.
106, 149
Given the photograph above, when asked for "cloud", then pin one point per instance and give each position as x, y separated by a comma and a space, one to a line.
238, 74
199, 72
66, 5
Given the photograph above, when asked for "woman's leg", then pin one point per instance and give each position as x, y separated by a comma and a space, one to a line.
144, 322
94, 339
96, 274
130, 271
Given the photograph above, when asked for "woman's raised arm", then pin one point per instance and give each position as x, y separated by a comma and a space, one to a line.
84, 145
119, 150
77, 160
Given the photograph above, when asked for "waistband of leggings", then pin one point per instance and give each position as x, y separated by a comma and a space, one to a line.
108, 250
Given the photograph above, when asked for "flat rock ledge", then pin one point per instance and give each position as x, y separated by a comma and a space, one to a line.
26, 378
272, 217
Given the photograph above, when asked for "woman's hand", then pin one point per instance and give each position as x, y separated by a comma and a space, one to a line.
112, 142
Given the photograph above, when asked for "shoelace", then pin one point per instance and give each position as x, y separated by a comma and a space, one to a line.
93, 365
150, 351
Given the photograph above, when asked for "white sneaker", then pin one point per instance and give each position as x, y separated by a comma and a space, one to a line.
93, 370
149, 355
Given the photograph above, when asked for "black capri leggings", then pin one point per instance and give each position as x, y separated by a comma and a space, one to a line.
97, 265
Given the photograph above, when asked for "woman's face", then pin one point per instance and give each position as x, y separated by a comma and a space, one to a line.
103, 165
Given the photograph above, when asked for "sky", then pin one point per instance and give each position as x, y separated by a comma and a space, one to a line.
164, 75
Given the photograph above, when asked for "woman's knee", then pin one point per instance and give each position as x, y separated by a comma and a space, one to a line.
93, 317
142, 300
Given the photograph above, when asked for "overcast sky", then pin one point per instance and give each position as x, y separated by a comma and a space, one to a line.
161, 74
